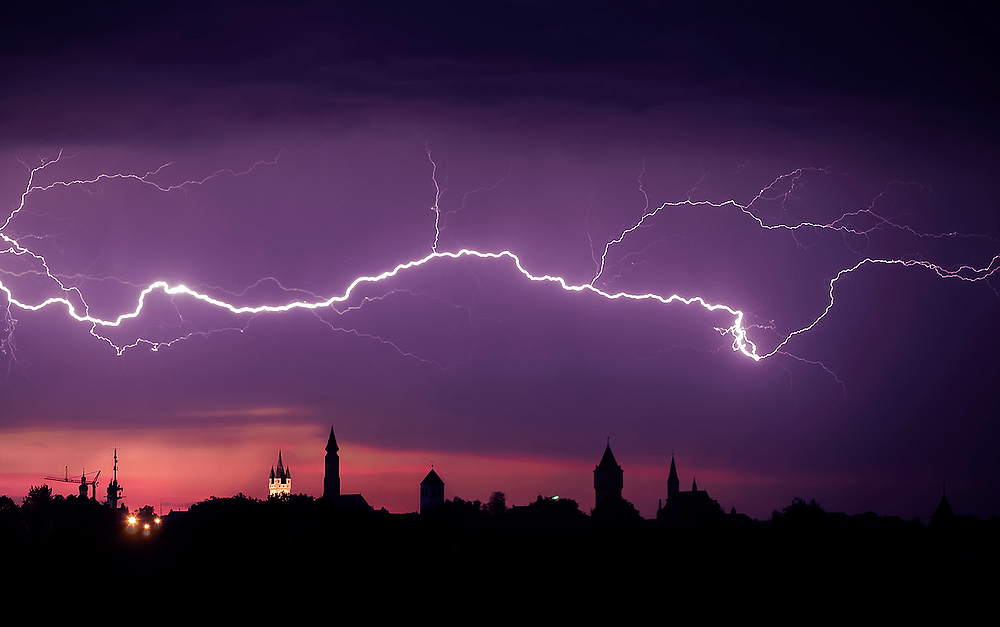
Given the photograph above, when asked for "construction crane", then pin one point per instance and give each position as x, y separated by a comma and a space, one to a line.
82, 481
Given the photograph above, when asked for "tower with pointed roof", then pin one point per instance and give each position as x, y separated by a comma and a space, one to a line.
431, 492
608, 477
281, 480
331, 477
331, 481
673, 483
686, 508
944, 514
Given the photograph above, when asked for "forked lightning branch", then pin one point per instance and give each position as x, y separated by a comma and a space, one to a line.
71, 298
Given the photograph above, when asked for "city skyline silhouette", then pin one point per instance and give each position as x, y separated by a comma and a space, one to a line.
492, 238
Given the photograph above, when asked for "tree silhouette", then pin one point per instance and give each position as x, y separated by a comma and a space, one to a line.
806, 524
37, 495
799, 513
7, 504
496, 506
615, 511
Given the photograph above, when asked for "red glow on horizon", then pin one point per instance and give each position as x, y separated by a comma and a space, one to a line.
175, 468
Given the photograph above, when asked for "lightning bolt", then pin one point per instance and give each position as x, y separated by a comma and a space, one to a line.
782, 189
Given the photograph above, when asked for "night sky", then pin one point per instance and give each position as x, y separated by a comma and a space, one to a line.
294, 147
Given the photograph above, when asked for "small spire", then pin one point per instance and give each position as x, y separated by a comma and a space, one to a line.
673, 470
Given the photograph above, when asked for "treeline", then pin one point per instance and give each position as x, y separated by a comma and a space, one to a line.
468, 545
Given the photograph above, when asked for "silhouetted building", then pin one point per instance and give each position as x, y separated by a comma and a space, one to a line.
331, 478
943, 515
281, 481
331, 481
608, 477
688, 508
673, 483
431, 492
114, 490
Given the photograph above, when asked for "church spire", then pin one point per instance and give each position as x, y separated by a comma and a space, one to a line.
673, 483
280, 480
331, 445
331, 477
944, 513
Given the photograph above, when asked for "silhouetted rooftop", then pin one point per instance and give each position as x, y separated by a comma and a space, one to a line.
608, 462
432, 478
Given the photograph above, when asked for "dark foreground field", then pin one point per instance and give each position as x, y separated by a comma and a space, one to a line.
303, 551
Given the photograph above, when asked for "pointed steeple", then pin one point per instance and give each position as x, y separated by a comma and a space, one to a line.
281, 478
673, 483
331, 445
943, 513
331, 475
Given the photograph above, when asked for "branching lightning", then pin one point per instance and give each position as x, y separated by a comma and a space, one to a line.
71, 298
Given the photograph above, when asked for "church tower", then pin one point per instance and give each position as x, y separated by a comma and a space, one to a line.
608, 477
331, 477
431, 492
281, 481
673, 483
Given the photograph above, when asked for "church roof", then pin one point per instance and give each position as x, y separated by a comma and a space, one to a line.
673, 470
352, 502
608, 462
432, 478
282, 472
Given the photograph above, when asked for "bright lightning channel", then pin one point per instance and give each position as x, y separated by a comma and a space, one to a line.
738, 330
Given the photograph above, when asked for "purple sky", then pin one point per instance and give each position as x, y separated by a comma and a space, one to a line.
553, 129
